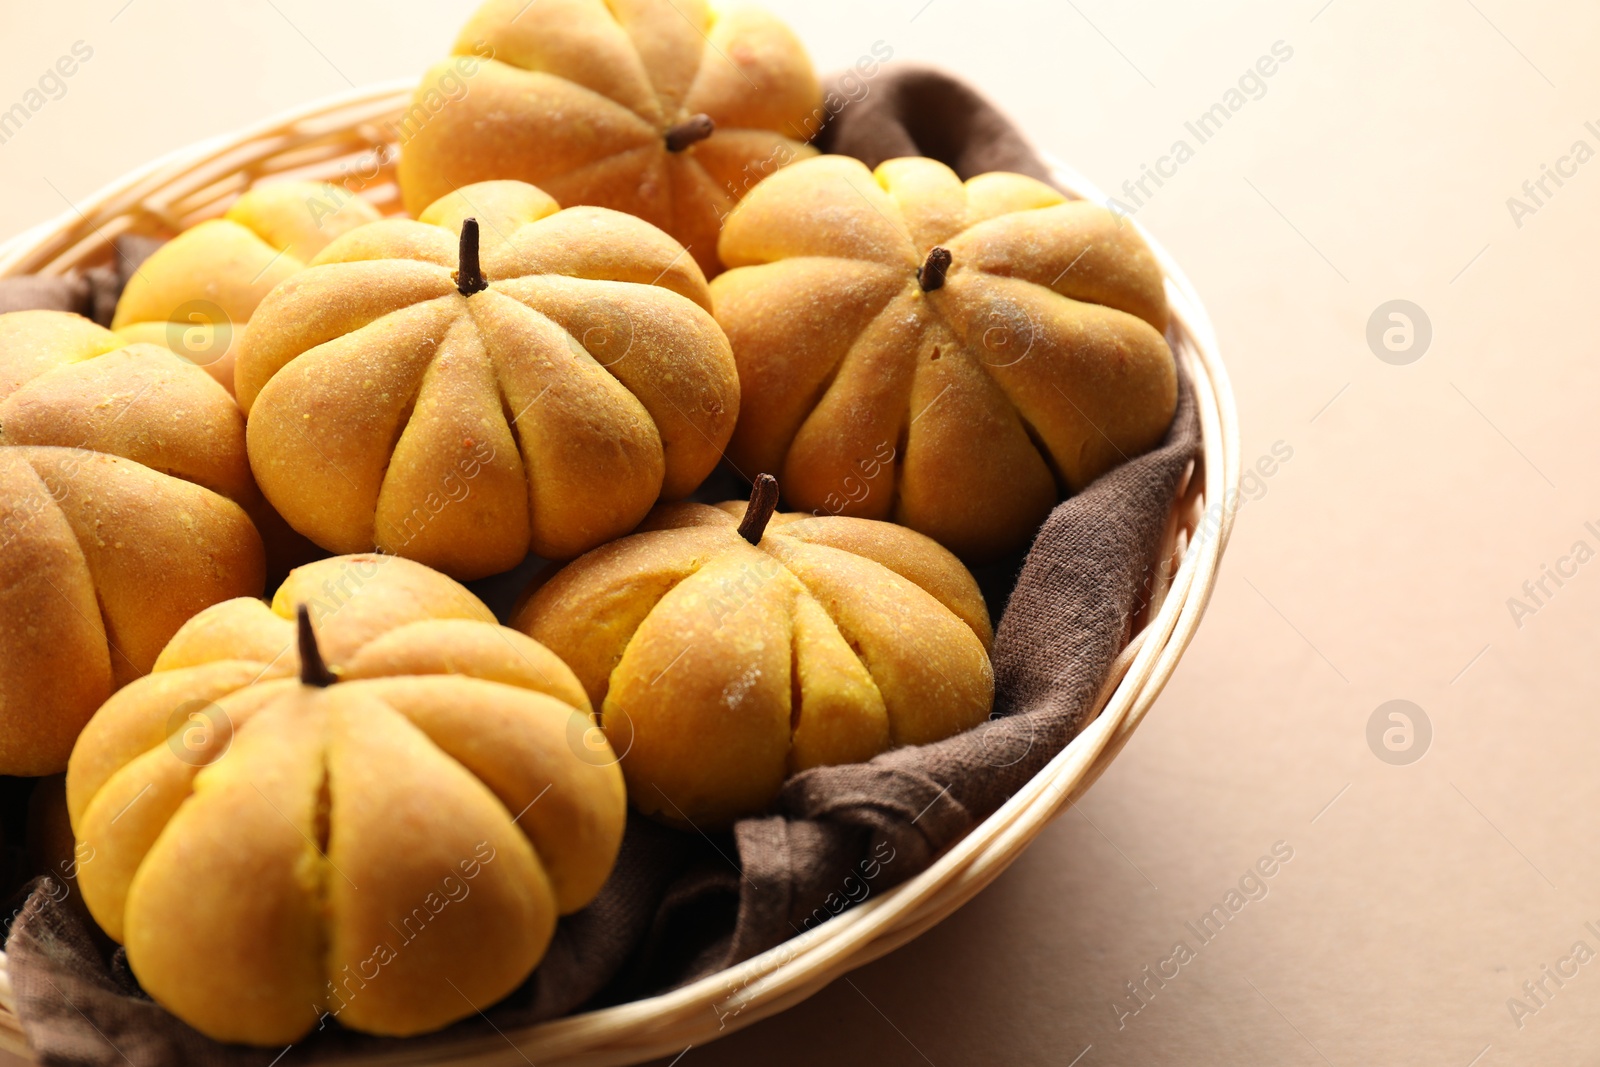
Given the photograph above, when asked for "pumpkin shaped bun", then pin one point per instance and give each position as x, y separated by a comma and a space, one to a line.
728, 647
377, 816
196, 292
122, 470
666, 109
953, 356
498, 377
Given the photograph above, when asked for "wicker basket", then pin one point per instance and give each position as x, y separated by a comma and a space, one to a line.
347, 140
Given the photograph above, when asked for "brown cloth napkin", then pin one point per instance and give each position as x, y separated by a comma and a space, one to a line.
911, 110
92, 294
682, 905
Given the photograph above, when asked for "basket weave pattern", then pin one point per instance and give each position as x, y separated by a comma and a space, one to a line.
348, 141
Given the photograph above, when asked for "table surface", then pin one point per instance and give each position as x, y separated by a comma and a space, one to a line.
1382, 558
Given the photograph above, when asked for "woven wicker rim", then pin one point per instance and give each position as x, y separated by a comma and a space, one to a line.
344, 138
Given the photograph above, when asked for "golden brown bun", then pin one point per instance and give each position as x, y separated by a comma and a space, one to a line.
385, 849
579, 95
966, 411
194, 295
122, 470
545, 413
196, 292
720, 667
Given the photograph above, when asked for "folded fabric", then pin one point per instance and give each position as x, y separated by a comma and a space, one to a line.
92, 294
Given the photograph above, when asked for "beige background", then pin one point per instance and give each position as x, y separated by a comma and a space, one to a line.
1376, 563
